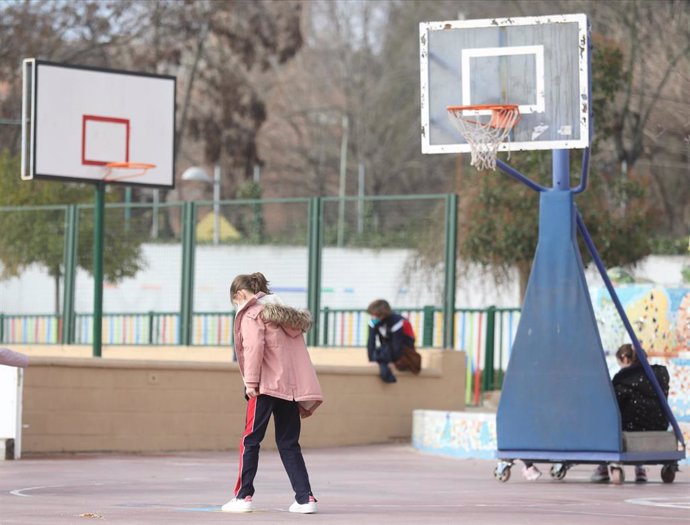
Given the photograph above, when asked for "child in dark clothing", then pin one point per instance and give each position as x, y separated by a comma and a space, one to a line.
389, 328
638, 402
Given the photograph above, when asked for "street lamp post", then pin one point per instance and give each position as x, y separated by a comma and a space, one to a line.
342, 185
198, 174
216, 204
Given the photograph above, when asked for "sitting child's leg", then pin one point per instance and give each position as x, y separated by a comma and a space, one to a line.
601, 474
386, 374
530, 472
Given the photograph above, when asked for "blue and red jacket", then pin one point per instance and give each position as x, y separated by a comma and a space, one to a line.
393, 333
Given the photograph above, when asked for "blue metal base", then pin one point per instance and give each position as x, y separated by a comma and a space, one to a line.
560, 456
557, 393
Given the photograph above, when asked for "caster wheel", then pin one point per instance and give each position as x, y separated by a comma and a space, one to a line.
668, 473
502, 472
617, 475
558, 471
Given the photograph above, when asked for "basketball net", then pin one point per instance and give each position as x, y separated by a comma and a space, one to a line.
484, 138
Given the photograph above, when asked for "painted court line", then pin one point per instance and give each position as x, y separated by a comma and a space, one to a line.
672, 503
617, 515
20, 492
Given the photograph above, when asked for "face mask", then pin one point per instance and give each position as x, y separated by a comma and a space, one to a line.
375, 321
240, 303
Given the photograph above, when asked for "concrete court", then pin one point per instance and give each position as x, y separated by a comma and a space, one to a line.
355, 485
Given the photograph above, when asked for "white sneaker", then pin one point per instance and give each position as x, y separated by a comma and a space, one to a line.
531, 473
304, 508
238, 505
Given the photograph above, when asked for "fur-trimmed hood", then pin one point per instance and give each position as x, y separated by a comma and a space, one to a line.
293, 321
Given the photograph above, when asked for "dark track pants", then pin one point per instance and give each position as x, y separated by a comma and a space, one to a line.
287, 429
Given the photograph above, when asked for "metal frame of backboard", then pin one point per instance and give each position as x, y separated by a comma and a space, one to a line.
465, 55
112, 127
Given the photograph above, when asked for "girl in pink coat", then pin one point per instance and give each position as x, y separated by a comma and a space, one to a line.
279, 380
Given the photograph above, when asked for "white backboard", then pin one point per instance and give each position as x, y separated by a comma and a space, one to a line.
77, 120
539, 63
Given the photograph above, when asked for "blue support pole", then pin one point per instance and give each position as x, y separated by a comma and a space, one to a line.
560, 163
557, 326
628, 327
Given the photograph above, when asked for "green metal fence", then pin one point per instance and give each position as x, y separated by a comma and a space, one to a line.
330, 255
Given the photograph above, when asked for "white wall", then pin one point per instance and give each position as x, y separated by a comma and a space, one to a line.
351, 278
10, 406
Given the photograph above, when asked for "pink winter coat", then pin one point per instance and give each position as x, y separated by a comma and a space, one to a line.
272, 354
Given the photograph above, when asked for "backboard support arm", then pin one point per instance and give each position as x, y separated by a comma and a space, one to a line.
515, 174
584, 177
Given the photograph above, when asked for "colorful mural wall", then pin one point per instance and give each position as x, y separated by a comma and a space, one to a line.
660, 317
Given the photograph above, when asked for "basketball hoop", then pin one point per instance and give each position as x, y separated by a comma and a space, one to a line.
126, 170
484, 138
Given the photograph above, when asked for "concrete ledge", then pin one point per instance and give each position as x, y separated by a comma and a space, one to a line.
340, 356
455, 434
473, 435
367, 369
81, 404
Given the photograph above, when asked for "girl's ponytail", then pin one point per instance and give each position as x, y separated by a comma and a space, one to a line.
255, 283
259, 283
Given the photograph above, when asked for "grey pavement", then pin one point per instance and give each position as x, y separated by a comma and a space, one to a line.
354, 485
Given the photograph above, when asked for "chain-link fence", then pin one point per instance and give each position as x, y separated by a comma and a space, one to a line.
243, 237
142, 265
32, 247
168, 268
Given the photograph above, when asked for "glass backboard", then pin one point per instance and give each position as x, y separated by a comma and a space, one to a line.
539, 63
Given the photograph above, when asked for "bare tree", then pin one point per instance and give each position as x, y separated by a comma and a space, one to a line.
649, 134
77, 32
